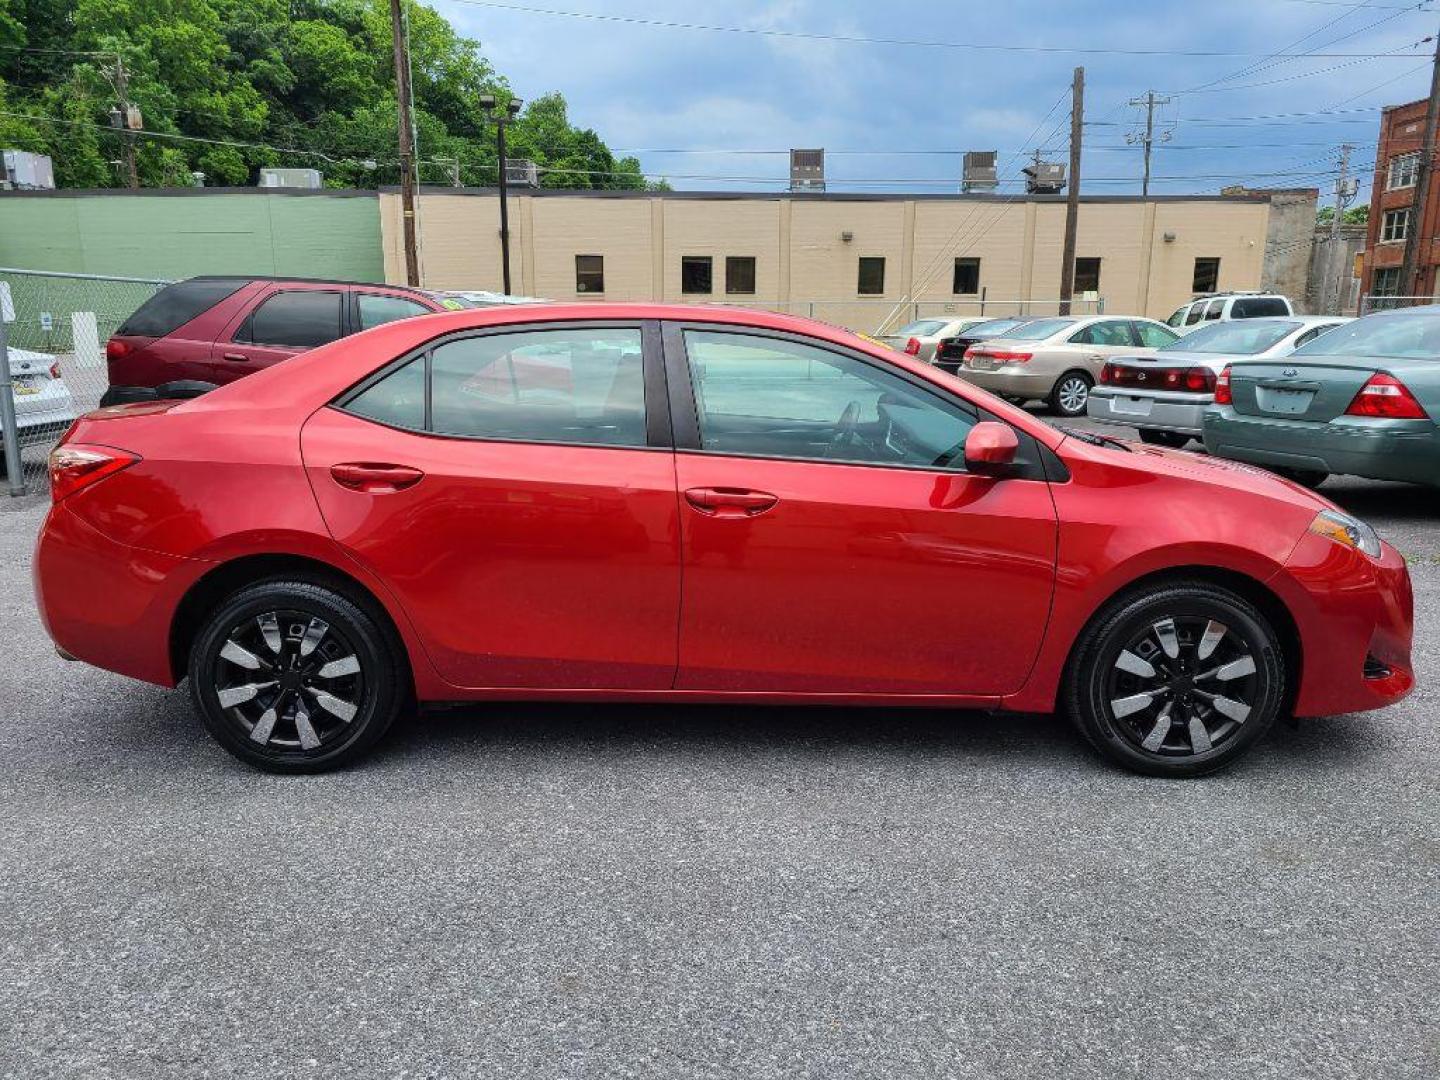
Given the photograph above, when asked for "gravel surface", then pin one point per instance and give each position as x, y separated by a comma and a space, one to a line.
579, 891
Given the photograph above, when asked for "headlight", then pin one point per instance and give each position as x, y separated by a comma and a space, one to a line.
1344, 529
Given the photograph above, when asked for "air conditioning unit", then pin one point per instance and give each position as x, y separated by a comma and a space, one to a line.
291, 178
807, 170
978, 173
521, 172
1044, 178
28, 172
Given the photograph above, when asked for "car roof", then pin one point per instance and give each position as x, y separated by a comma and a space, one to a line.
242, 278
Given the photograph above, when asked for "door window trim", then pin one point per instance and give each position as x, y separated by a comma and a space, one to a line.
657, 414
685, 423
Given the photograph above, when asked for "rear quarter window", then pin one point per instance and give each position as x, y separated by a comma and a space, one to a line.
175, 305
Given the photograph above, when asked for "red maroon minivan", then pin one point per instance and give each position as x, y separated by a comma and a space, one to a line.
666, 503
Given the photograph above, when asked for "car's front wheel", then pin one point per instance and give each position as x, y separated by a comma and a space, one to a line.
1176, 680
293, 676
1071, 394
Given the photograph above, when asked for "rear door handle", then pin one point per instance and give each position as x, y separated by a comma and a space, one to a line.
375, 478
240, 357
730, 502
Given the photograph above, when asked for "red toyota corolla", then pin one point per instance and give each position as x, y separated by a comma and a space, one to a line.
655, 503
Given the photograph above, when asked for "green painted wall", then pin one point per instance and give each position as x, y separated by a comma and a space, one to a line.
180, 234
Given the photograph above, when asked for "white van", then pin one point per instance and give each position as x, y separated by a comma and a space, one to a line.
1222, 307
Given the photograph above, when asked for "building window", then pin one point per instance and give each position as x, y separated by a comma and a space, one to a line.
696, 274
1386, 282
590, 273
1395, 225
872, 275
740, 275
1207, 275
967, 277
1404, 171
1087, 275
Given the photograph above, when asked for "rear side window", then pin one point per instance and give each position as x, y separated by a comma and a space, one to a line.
175, 305
1259, 307
300, 320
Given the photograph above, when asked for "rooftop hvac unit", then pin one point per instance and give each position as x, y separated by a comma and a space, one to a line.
978, 173
291, 178
521, 172
1044, 178
28, 172
807, 170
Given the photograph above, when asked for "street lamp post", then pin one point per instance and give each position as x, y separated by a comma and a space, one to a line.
503, 118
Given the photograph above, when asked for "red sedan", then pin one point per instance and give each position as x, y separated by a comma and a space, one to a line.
657, 503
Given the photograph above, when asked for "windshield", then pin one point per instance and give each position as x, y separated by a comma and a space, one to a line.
923, 328
1039, 329
1411, 336
1242, 338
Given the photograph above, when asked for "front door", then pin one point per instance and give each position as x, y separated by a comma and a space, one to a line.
833, 542
515, 490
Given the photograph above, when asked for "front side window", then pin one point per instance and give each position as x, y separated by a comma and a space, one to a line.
776, 398
1395, 225
871, 275
967, 277
696, 274
299, 320
1196, 311
581, 386
376, 309
1207, 275
740, 275
589, 273
1214, 310
1178, 317
1404, 171
1087, 275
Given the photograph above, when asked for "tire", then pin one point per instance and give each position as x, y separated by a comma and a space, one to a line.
1175, 440
1124, 657
1071, 394
271, 625
1310, 478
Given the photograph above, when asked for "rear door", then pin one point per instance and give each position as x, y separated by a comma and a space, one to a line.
1103, 340
286, 319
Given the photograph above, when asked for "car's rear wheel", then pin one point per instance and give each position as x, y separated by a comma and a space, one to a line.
1175, 440
1177, 680
1071, 394
292, 676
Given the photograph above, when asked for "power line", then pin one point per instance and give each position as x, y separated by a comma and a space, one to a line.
856, 39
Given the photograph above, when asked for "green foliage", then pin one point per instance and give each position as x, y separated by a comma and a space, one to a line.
1356, 215
252, 83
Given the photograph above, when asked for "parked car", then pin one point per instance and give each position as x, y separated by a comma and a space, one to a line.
1058, 360
655, 503
1225, 306
1360, 400
951, 351
195, 335
1164, 393
920, 338
43, 405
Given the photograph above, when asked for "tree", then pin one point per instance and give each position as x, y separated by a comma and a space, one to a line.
1356, 215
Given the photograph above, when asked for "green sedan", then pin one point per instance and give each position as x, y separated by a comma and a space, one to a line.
1359, 400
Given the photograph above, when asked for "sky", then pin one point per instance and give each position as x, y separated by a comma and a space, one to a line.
897, 116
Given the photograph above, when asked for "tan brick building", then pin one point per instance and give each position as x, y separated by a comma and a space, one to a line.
852, 259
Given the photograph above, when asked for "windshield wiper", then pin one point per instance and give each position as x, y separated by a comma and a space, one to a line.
1096, 439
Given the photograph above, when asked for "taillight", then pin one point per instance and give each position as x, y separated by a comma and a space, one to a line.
1195, 380
55, 370
913, 346
1222, 388
115, 349
1386, 397
78, 465
1198, 380
1107, 375
969, 352
1000, 356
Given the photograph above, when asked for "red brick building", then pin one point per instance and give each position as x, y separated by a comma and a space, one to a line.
1392, 207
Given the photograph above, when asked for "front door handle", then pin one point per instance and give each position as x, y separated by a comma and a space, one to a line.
375, 478
237, 356
730, 502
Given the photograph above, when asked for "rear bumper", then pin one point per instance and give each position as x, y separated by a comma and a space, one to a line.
1011, 381
1405, 450
1179, 413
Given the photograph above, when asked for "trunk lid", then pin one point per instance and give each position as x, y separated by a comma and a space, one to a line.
1316, 390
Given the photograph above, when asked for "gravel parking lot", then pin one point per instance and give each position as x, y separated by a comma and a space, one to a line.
578, 891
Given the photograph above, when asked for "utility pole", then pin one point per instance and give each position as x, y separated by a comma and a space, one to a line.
503, 118
1072, 192
1411, 269
407, 140
1149, 101
126, 124
1345, 189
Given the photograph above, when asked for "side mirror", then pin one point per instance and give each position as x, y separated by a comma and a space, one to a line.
991, 449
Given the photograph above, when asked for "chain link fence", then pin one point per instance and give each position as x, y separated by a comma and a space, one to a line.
1373, 303
55, 329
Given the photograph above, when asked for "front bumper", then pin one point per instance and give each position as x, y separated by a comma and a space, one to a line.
1012, 381
1405, 450
1181, 413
